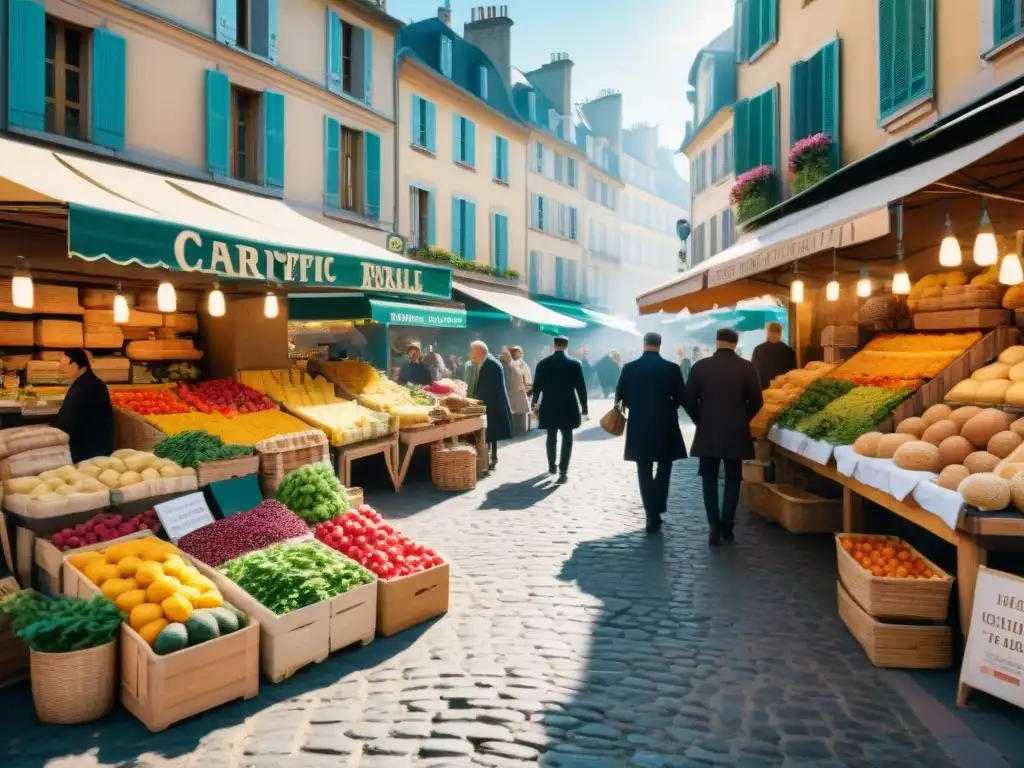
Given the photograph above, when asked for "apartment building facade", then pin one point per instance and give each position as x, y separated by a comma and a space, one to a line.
290, 100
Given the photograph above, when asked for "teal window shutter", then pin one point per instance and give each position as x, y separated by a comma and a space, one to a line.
739, 17
500, 243
770, 127
559, 276
109, 89
332, 163
457, 231
714, 163
1007, 21
227, 13
367, 66
431, 218
469, 225
272, 30
740, 135
531, 105
771, 30
905, 52
334, 53
446, 55
458, 147
218, 112
371, 162
831, 66
534, 267
26, 70
469, 136
535, 210
496, 158
273, 138
417, 121
798, 114
504, 161
483, 82
430, 117
752, 22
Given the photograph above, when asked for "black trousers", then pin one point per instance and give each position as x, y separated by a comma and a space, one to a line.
654, 487
566, 455
731, 495
494, 452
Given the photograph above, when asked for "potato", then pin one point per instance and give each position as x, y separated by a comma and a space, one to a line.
90, 471
66, 473
49, 474
161, 463
118, 466
110, 478
150, 474
122, 453
139, 461
130, 478
170, 470
21, 484
102, 462
66, 490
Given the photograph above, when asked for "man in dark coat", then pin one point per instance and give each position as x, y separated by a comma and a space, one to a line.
561, 388
773, 357
722, 396
489, 387
86, 414
651, 390
414, 370
608, 372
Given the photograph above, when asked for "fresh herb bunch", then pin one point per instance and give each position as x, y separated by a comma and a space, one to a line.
314, 493
192, 447
286, 577
418, 395
848, 417
62, 624
814, 399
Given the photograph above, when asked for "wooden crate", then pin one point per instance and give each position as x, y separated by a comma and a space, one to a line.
960, 319
411, 600
133, 431
49, 560
227, 469
800, 511
162, 690
355, 496
285, 453
754, 471
896, 646
754, 496
14, 656
306, 636
892, 598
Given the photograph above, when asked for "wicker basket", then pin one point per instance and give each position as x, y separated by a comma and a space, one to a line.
894, 598
133, 431
76, 687
102, 336
59, 334
453, 467
286, 453
16, 333
98, 298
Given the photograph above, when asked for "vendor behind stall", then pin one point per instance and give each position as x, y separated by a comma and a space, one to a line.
86, 415
414, 370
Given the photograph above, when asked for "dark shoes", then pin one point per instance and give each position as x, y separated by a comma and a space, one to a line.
727, 534
552, 470
715, 537
562, 478
653, 526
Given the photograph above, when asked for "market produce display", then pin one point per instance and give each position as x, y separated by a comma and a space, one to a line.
890, 558
1001, 383
904, 361
314, 493
362, 535
243, 429
54, 484
355, 376
420, 396
126, 467
191, 448
60, 624
287, 577
443, 387
783, 391
377, 392
148, 401
848, 417
222, 540
225, 396
291, 386
816, 397
953, 290
105, 526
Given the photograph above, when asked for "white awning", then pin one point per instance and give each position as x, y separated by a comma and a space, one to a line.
612, 321
519, 307
857, 216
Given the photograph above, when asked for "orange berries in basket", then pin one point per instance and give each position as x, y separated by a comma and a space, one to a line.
887, 558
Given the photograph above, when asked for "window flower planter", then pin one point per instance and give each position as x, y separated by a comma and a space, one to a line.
453, 260
810, 161
754, 192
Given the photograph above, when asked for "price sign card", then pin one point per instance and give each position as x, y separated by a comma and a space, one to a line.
184, 515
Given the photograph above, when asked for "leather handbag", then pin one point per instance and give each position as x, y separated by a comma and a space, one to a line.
614, 422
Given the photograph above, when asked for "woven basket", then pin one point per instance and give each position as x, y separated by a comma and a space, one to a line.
59, 334
102, 336
133, 431
17, 333
286, 453
76, 687
184, 301
98, 298
453, 468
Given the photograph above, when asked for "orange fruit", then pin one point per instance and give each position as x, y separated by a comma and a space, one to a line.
876, 571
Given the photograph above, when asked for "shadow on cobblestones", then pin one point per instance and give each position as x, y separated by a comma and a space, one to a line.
521, 495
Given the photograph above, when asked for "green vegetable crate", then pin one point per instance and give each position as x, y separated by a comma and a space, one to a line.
307, 635
227, 469
163, 690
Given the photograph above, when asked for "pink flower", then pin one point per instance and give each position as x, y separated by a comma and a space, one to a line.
817, 144
752, 181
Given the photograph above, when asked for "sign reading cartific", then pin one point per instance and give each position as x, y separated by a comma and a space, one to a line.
994, 656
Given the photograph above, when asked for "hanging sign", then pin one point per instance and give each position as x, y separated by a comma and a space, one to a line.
183, 515
994, 656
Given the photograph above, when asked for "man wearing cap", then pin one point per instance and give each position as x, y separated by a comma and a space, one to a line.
414, 370
562, 391
722, 395
773, 357
651, 390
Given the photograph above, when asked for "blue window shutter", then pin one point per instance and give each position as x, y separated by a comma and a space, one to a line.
26, 71
333, 52
496, 158
494, 239
921, 23
772, 26
831, 66
332, 163
752, 19
371, 161
1007, 22
559, 276
273, 137
457, 146
469, 224
446, 55
417, 124
714, 163
771, 126
457, 241
218, 112
227, 12
534, 206
501, 253
534, 267
740, 135
109, 88
739, 17
469, 127
431, 118
797, 101
272, 30
886, 44
531, 105
431, 218
483, 82
367, 66
504, 160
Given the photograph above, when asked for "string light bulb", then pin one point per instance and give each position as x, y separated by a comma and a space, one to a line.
1010, 271
270, 307
901, 283
215, 302
900, 280
166, 298
949, 251
832, 289
864, 284
986, 250
121, 310
22, 290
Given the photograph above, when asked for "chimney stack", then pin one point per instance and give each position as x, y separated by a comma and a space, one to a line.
490, 30
554, 80
444, 13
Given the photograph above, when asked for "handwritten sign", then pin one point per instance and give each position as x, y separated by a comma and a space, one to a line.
994, 656
184, 515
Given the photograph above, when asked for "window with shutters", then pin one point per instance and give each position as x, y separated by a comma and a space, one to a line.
905, 53
248, 24
714, 164
446, 55
727, 153
351, 165
66, 84
424, 115
755, 131
538, 158
697, 245
419, 217
1008, 21
464, 141
756, 27
728, 229
245, 146
815, 98
500, 171
713, 236
349, 54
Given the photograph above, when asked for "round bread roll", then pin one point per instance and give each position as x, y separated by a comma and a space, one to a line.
950, 477
938, 412
986, 491
915, 426
953, 450
1004, 443
867, 444
939, 431
962, 415
981, 461
888, 445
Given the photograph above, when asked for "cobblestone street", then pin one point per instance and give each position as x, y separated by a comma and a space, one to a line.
573, 640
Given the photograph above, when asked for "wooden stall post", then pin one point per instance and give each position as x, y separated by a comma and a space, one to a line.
853, 511
970, 556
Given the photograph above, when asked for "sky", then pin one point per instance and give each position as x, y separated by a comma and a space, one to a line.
641, 48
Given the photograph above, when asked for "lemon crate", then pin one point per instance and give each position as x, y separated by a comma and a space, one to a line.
162, 690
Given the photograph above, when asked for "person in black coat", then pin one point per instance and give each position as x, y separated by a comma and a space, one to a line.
773, 357
86, 414
561, 388
414, 370
651, 390
722, 396
608, 372
489, 387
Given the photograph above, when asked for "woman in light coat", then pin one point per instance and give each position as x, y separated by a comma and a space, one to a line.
517, 379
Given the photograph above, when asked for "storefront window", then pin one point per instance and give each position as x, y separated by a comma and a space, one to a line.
65, 90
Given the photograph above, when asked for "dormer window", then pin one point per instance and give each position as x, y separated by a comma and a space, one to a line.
483, 81
531, 105
552, 121
705, 88
446, 56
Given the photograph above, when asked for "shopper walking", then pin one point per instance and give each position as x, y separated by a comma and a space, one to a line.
651, 391
773, 357
520, 384
562, 392
489, 387
722, 396
608, 371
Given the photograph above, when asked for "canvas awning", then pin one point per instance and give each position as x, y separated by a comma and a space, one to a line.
134, 217
592, 316
855, 217
323, 307
519, 307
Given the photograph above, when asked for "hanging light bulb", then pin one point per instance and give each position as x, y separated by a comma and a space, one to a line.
900, 280
949, 250
120, 307
215, 303
901, 283
1010, 271
832, 289
796, 291
166, 298
864, 284
270, 305
22, 290
986, 251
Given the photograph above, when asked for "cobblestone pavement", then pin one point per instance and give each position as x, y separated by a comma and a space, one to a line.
573, 640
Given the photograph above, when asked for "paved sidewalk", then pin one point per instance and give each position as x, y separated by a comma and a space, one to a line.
573, 640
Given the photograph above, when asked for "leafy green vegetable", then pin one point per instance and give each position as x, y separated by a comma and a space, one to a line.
848, 417
419, 396
286, 577
314, 493
194, 446
62, 624
814, 399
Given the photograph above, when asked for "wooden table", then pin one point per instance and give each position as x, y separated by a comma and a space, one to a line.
411, 438
974, 536
346, 454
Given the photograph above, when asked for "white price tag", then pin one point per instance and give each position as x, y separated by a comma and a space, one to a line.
184, 515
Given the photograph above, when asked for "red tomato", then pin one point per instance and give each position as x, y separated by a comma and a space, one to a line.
436, 560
